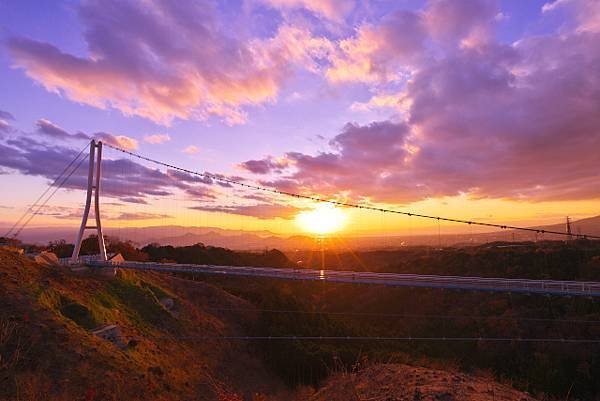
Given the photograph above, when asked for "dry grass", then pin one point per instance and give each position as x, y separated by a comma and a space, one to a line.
381, 382
47, 351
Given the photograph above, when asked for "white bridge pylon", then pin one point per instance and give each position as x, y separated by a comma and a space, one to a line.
92, 187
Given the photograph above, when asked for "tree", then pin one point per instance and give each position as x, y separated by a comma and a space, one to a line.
60, 248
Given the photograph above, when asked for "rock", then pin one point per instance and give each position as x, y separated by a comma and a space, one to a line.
167, 303
46, 258
110, 333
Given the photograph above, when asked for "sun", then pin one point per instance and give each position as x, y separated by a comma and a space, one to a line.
323, 219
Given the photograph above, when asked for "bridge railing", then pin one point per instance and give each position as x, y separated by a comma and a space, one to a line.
492, 284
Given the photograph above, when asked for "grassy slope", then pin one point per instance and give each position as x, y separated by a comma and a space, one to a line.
404, 382
47, 351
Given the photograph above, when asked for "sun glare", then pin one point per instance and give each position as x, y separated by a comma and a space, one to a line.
323, 219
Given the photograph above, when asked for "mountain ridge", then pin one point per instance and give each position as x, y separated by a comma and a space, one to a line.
264, 239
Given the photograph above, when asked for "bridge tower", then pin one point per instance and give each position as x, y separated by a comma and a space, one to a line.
569, 229
93, 187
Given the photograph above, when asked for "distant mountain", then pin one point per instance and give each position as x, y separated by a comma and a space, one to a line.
263, 239
243, 240
139, 235
590, 226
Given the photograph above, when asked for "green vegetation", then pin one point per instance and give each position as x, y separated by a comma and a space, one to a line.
552, 368
209, 255
89, 246
299, 361
81, 315
139, 300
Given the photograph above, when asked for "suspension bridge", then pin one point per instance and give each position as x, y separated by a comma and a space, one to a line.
94, 182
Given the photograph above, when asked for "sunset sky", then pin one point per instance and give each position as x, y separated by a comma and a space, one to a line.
480, 109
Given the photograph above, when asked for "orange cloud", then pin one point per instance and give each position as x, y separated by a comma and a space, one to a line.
134, 68
120, 141
190, 150
157, 138
379, 53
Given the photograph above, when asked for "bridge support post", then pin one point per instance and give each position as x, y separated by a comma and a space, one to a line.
93, 187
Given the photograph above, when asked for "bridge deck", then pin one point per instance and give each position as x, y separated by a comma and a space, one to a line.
549, 287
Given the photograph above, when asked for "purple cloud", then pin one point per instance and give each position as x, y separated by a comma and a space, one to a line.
5, 115
5, 127
515, 121
264, 166
48, 128
380, 53
122, 178
260, 211
160, 60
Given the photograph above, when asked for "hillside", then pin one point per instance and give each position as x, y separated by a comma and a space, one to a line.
48, 353
590, 226
404, 382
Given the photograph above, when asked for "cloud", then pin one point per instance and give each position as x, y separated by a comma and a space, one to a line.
190, 150
393, 101
586, 12
260, 211
379, 53
393, 49
59, 212
124, 179
120, 141
460, 22
187, 178
48, 128
516, 121
265, 166
132, 199
550, 6
472, 115
157, 138
140, 216
156, 59
334, 10
362, 162
200, 193
5, 115
293, 46
501, 16
5, 126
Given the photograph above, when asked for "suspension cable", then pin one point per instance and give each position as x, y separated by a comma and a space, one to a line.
407, 315
222, 179
64, 180
34, 204
372, 338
